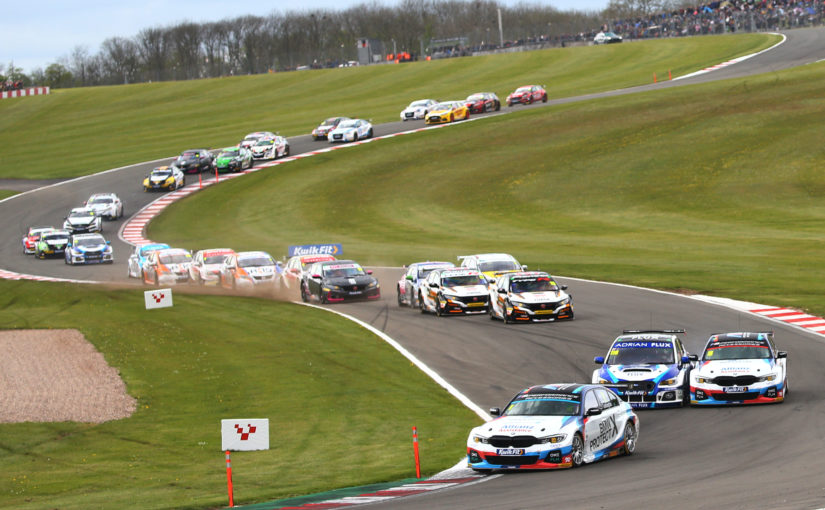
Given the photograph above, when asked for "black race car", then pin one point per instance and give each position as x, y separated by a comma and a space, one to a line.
194, 161
338, 280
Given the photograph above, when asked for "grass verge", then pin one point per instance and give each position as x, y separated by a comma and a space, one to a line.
106, 127
339, 400
714, 188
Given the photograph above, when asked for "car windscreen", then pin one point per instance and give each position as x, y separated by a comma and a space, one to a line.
161, 173
418, 103
214, 259
101, 200
228, 154
265, 143
81, 214
188, 156
442, 106
738, 350
55, 237
340, 271
543, 407
640, 353
175, 258
498, 265
423, 271
347, 124
90, 241
540, 284
256, 261
524, 89
330, 122
475, 97
460, 281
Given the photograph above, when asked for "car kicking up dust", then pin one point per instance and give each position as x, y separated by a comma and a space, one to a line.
56, 375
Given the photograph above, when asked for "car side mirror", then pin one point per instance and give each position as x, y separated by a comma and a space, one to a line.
316, 276
781, 355
593, 411
599, 360
564, 287
369, 271
685, 359
524, 267
434, 285
108, 242
694, 357
410, 277
495, 411
502, 291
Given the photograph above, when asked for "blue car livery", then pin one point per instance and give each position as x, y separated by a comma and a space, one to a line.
647, 369
88, 249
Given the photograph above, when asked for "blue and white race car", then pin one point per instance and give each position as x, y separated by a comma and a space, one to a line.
647, 368
408, 285
88, 249
554, 426
139, 256
740, 368
351, 130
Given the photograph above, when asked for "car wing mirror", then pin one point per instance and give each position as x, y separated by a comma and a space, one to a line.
410, 277
593, 411
564, 287
495, 411
693, 357
781, 355
434, 285
599, 360
524, 267
369, 271
316, 276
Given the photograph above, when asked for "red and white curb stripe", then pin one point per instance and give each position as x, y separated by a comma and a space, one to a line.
793, 317
409, 489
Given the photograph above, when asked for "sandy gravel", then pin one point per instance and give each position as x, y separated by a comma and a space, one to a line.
56, 375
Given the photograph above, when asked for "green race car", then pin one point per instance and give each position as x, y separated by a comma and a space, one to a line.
234, 159
52, 244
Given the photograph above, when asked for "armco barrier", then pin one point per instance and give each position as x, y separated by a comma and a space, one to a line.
31, 91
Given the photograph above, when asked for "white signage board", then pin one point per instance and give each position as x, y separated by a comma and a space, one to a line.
245, 434
158, 298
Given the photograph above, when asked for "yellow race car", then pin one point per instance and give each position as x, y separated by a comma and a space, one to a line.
166, 178
447, 111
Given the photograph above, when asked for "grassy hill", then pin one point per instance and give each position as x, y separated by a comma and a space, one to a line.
81, 131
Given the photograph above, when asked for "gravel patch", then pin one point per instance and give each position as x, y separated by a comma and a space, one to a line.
51, 375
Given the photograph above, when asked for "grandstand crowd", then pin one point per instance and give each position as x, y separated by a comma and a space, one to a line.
11, 85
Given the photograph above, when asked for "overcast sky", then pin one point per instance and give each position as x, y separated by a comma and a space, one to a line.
37, 34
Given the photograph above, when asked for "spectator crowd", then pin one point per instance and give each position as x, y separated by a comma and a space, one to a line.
11, 85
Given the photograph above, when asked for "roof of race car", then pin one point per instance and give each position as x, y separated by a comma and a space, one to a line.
334, 262
211, 252
39, 230
644, 338
172, 251
458, 271
733, 339
528, 275
485, 257
98, 195
162, 169
309, 259
86, 236
252, 254
153, 247
566, 390
432, 264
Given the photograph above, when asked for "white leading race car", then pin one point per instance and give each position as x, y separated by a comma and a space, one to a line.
270, 148
554, 426
418, 109
252, 138
207, 264
492, 265
350, 131
83, 220
529, 296
740, 368
454, 291
105, 205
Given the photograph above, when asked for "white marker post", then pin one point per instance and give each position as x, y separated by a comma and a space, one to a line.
159, 298
246, 434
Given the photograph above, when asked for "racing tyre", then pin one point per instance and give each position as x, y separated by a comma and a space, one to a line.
491, 312
421, 307
544, 99
304, 296
509, 104
629, 439
286, 151
438, 311
369, 135
400, 300
323, 298
452, 118
507, 318
577, 451
498, 106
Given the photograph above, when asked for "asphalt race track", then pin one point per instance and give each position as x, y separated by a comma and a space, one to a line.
735, 457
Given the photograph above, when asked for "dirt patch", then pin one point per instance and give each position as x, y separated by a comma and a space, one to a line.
56, 375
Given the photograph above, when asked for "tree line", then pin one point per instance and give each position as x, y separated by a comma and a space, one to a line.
314, 38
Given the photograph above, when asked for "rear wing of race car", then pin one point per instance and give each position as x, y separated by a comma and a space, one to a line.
461, 257
769, 333
637, 331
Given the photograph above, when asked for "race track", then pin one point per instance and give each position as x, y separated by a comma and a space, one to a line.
753, 457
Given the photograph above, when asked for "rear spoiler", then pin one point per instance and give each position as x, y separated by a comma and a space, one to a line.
635, 331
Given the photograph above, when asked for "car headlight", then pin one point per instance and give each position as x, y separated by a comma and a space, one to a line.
518, 304
372, 285
332, 287
480, 439
704, 380
764, 378
564, 301
668, 382
603, 381
169, 180
558, 438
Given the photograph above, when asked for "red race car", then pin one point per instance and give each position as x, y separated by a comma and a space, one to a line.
482, 102
527, 95
32, 236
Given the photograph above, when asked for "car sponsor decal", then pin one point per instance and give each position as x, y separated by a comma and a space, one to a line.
643, 345
342, 266
608, 429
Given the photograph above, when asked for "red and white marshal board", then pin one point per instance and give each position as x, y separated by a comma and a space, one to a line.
245, 434
158, 298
